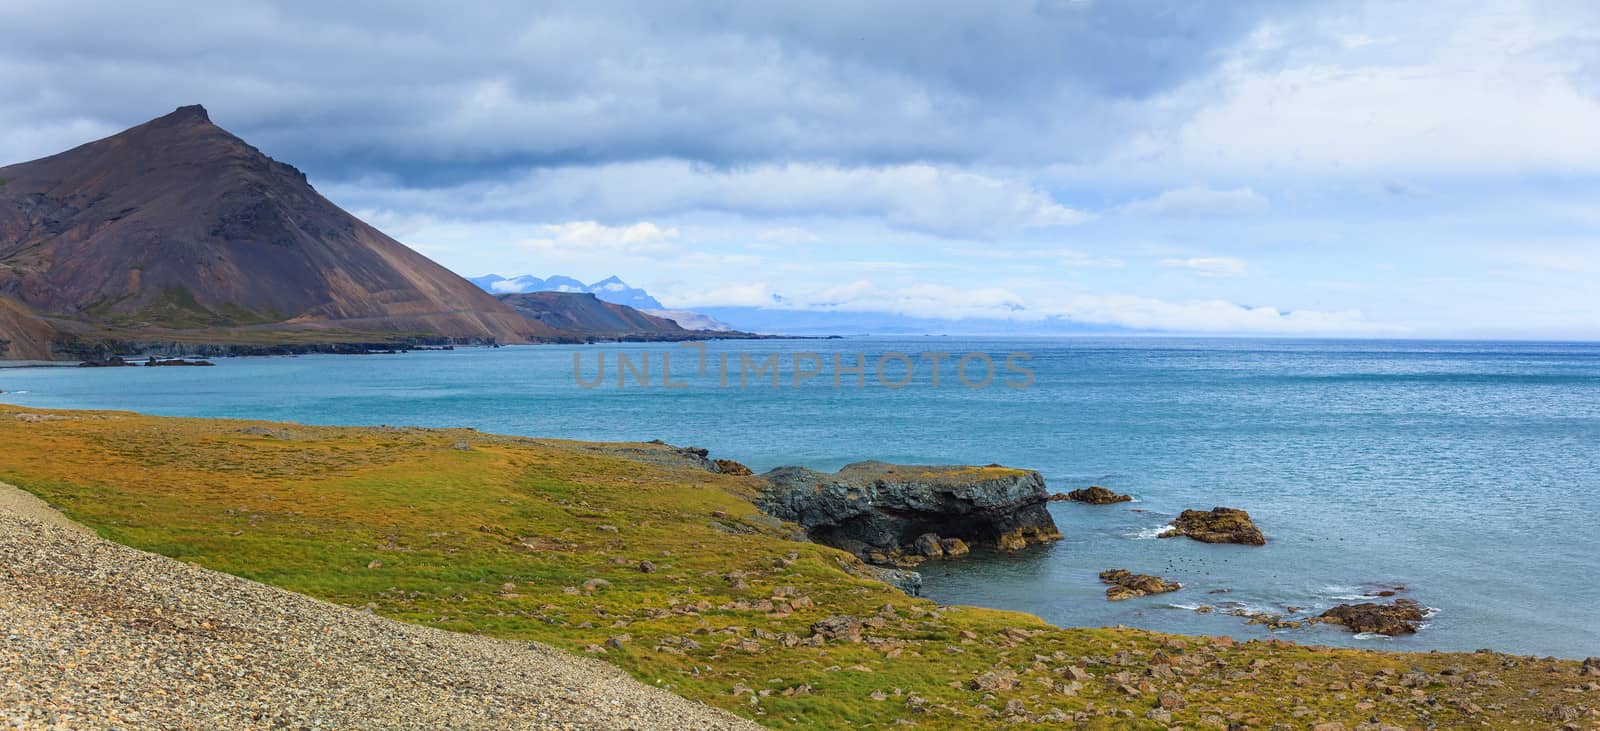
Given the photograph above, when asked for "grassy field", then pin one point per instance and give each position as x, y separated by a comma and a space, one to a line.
633, 553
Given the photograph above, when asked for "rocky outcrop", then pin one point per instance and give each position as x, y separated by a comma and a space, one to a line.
1218, 525
882, 512
1399, 618
730, 467
1093, 495
1127, 585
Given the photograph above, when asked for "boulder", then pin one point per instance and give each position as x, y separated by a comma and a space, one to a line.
954, 547
1591, 667
1127, 585
1218, 525
928, 545
1096, 495
1399, 618
730, 467
879, 511
840, 628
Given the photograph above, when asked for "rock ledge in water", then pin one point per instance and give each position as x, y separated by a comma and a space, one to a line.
1399, 618
1127, 585
879, 511
1093, 495
1219, 525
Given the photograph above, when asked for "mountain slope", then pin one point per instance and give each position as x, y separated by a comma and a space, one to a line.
178, 225
585, 313
24, 335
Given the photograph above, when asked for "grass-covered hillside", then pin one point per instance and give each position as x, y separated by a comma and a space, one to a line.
633, 553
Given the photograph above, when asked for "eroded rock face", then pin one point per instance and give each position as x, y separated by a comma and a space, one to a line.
1127, 585
1218, 525
879, 511
1399, 618
1096, 495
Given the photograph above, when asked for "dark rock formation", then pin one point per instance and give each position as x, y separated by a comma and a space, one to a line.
1219, 525
1399, 618
115, 361
879, 511
1127, 585
177, 362
1095, 495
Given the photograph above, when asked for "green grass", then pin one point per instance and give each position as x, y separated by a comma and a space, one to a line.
499, 537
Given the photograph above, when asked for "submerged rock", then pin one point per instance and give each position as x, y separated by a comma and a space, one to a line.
1399, 618
1096, 495
1218, 525
879, 511
1127, 585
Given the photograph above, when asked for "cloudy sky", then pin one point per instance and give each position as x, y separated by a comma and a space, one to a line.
1328, 168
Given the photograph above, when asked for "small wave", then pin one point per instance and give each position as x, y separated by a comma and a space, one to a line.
1371, 636
1145, 533
1184, 607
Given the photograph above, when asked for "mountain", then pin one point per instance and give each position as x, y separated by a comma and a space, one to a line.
610, 289
177, 229
24, 335
585, 313
496, 284
691, 320
558, 283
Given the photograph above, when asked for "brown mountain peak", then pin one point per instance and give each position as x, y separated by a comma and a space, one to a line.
177, 224
190, 113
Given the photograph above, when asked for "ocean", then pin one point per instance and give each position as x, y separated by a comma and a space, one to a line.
1467, 472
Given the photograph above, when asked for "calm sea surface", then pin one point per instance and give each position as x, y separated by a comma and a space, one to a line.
1467, 472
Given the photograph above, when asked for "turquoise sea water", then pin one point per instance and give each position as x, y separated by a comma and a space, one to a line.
1468, 472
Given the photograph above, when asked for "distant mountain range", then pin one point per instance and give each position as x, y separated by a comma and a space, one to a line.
177, 234
611, 289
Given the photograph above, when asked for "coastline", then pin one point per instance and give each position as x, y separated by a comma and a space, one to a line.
604, 514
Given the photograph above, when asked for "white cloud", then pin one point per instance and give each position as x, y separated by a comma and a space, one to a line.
1217, 317
1209, 265
587, 238
1437, 92
1201, 202
929, 199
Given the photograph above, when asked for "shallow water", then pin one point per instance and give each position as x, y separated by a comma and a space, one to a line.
1467, 472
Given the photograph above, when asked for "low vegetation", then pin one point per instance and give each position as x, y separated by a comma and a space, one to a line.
636, 554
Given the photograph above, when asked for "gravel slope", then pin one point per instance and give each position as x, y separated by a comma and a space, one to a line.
94, 634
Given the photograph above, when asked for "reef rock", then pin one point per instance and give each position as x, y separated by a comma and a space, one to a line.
879, 511
1399, 618
1219, 525
1127, 585
1097, 495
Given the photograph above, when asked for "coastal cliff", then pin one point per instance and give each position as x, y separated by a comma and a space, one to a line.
879, 511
